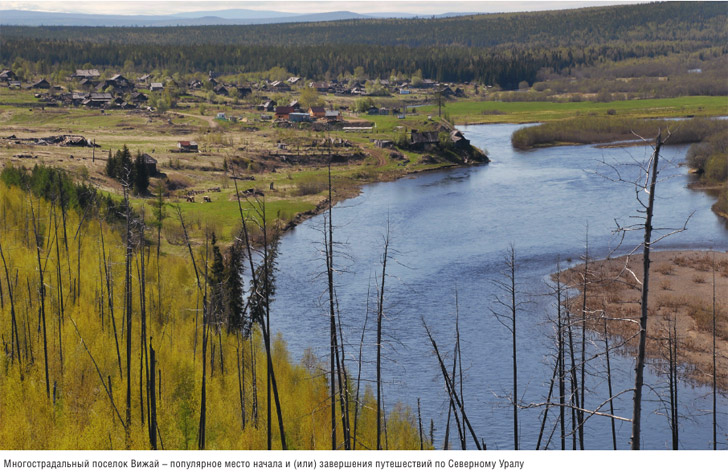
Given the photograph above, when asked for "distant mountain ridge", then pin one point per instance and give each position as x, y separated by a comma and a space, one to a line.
238, 16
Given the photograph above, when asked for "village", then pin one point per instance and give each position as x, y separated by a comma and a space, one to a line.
196, 136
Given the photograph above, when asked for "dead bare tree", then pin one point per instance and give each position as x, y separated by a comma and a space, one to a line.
380, 316
647, 244
261, 294
14, 336
41, 292
715, 370
452, 391
110, 292
609, 380
128, 306
507, 316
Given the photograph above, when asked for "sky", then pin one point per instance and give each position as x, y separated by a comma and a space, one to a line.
423, 8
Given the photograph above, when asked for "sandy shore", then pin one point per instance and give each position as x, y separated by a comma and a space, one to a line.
681, 289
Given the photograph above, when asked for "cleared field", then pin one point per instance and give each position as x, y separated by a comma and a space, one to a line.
482, 112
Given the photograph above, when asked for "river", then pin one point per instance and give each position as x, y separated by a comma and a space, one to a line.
449, 232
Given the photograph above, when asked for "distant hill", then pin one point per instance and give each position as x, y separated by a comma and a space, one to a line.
210, 17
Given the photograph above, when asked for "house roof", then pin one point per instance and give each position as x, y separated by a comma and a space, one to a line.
187, 143
427, 137
318, 109
148, 159
157, 85
284, 110
88, 72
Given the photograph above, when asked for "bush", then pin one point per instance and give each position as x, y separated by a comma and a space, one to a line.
310, 187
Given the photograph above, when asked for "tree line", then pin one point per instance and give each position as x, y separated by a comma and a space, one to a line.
492, 49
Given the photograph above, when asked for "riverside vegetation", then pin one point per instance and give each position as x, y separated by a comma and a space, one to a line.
68, 287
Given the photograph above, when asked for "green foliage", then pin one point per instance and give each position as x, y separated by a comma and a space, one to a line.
141, 175
80, 414
310, 97
132, 174
590, 130
55, 185
363, 104
710, 157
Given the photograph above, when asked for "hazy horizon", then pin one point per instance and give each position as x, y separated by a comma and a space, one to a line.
294, 7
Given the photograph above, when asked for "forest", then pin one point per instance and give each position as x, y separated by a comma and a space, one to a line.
503, 49
108, 344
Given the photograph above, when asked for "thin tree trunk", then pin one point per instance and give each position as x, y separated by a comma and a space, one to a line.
241, 380
451, 388
715, 371
582, 381
128, 310
574, 383
110, 293
419, 421
152, 397
380, 315
41, 291
609, 383
640, 364
358, 376
562, 375
548, 405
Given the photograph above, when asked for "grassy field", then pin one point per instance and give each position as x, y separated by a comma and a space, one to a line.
259, 150
486, 112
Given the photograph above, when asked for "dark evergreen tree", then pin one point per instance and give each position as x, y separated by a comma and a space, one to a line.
217, 276
141, 175
233, 291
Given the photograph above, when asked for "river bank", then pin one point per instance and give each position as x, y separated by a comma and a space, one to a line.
681, 294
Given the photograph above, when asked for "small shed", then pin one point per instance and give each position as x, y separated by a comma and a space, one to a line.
156, 87
299, 117
332, 115
187, 146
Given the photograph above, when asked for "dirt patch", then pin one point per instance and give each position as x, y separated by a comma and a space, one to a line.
681, 291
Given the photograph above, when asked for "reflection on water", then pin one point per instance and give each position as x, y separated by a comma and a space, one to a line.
449, 232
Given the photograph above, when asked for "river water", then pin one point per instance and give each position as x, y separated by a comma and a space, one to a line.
449, 232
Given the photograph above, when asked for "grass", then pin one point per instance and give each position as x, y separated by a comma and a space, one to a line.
484, 112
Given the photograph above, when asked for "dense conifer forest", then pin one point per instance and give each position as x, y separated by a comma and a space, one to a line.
502, 49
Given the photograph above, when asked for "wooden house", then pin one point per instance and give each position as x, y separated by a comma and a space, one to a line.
221, 90
459, 139
332, 116
317, 112
283, 112
279, 86
7, 75
268, 106
150, 163
86, 74
139, 97
42, 84
421, 140
156, 87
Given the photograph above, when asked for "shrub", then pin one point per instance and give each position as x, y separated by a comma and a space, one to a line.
310, 187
